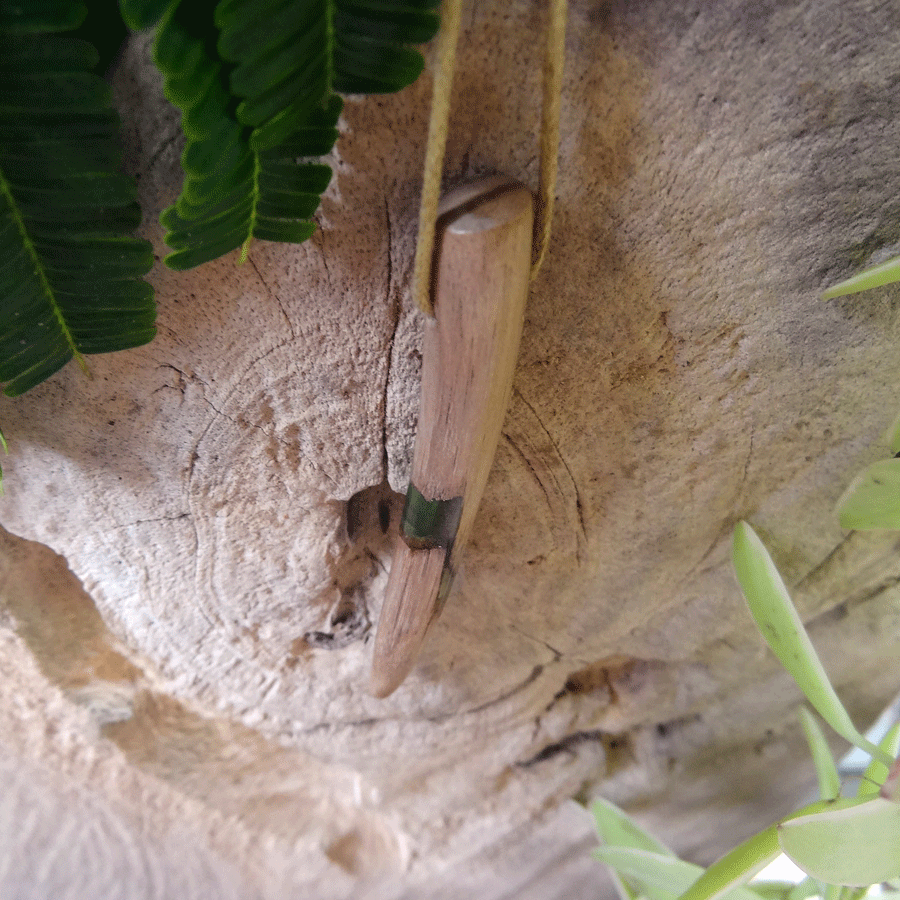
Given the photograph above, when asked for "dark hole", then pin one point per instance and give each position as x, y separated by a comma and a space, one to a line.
384, 515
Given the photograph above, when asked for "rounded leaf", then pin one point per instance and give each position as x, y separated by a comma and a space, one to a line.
853, 845
873, 498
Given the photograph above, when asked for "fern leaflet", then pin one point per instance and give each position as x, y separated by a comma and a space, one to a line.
71, 271
256, 82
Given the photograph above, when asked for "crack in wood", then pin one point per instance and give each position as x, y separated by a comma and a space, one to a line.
568, 745
273, 296
393, 300
532, 442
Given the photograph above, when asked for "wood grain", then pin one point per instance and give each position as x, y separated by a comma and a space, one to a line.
470, 350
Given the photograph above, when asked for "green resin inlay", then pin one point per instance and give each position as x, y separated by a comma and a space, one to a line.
428, 524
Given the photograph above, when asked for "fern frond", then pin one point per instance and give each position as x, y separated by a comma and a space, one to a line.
70, 276
371, 38
282, 67
290, 57
44, 17
255, 81
140, 14
233, 191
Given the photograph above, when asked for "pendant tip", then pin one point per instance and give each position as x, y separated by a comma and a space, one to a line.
386, 677
410, 601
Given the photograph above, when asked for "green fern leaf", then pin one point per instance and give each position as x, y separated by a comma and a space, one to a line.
41, 16
371, 56
290, 57
71, 273
139, 14
233, 191
255, 82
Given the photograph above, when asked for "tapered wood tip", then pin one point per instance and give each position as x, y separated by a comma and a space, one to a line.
387, 676
409, 606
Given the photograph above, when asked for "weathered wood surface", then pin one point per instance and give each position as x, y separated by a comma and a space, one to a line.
219, 493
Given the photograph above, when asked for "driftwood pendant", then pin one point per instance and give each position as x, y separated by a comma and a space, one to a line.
480, 284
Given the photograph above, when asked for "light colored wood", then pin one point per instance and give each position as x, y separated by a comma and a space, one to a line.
415, 579
469, 353
471, 346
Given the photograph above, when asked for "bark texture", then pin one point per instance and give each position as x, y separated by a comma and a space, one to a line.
226, 498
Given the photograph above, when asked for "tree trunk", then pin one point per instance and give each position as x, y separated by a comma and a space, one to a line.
228, 496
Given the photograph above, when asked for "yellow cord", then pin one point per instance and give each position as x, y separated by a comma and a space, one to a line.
448, 36
438, 125
554, 57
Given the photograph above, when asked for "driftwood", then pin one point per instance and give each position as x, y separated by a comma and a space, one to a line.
229, 496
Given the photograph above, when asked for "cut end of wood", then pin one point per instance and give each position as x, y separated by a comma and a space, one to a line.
510, 204
453, 202
410, 603
495, 201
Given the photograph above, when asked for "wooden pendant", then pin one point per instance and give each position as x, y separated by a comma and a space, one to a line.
480, 284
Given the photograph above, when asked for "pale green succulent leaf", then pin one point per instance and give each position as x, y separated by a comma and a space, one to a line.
773, 890
736, 867
876, 774
856, 893
876, 276
623, 888
619, 830
823, 761
777, 619
847, 845
809, 887
659, 876
873, 498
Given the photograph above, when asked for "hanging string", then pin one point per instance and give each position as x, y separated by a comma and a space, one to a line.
554, 57
438, 126
448, 37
